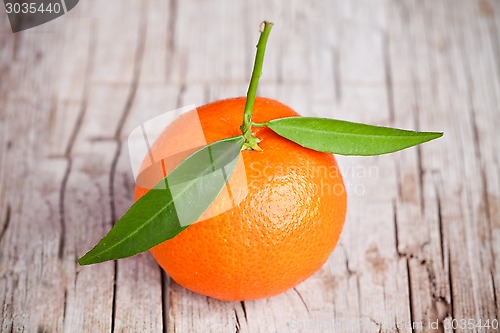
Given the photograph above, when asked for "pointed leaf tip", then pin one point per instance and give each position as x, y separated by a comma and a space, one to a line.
347, 138
172, 205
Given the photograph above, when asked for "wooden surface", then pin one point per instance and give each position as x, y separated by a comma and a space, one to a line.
422, 236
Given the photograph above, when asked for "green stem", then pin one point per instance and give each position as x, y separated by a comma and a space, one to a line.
264, 124
251, 142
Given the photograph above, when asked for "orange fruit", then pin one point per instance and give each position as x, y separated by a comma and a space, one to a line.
281, 230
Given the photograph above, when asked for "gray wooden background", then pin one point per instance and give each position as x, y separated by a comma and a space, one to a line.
422, 236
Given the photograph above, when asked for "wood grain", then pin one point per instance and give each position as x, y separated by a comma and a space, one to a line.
421, 241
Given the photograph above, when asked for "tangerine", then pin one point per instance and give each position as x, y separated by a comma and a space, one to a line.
276, 233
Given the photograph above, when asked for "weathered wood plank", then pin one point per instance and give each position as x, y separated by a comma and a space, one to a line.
422, 238
420, 241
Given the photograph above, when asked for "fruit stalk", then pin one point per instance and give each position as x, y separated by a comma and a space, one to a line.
251, 142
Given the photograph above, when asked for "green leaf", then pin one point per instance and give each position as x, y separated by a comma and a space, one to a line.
347, 138
172, 205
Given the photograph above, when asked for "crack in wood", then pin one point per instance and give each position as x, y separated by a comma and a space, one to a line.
495, 299
410, 293
378, 324
440, 308
6, 223
397, 326
113, 304
403, 254
52, 115
8, 312
171, 305
71, 142
164, 298
100, 139
62, 215
487, 209
64, 183
395, 220
440, 226
358, 289
398, 177
486, 201
450, 284
350, 272
244, 308
65, 307
302, 299
139, 55
420, 178
5, 68
431, 275
238, 325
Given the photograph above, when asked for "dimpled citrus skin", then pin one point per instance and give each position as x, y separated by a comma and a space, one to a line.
282, 231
